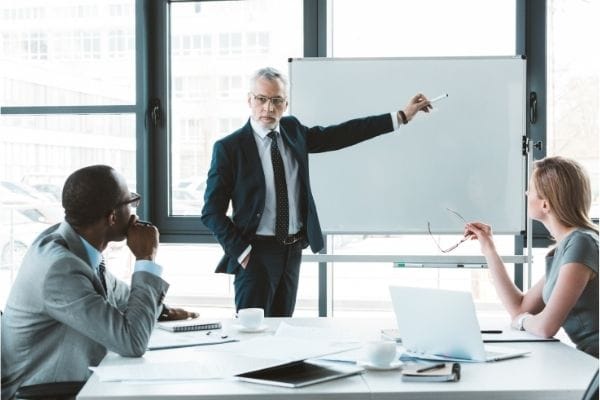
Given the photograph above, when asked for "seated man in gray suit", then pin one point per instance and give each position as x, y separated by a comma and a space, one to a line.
64, 310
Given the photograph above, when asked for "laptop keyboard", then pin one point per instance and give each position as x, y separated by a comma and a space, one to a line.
493, 354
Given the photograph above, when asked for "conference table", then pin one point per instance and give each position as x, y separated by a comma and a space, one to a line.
552, 370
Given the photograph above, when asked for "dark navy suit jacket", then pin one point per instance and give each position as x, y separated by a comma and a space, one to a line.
236, 174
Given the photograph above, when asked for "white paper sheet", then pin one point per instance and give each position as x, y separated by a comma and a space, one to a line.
203, 365
314, 333
283, 348
161, 371
161, 339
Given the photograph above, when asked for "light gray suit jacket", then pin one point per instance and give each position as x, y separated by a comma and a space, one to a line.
59, 320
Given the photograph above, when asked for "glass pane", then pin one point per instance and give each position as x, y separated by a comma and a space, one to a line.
410, 29
67, 53
197, 287
437, 28
574, 86
374, 278
215, 47
37, 153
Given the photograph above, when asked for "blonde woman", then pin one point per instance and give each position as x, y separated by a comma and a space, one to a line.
559, 196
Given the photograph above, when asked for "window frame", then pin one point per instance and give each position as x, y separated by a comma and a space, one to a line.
530, 41
152, 68
530, 38
152, 75
190, 229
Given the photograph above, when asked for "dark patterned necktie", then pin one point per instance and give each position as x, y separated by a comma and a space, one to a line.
101, 271
283, 211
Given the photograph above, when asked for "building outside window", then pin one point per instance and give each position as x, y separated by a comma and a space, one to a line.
56, 54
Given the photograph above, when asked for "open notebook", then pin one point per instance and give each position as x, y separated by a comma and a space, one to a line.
188, 325
442, 325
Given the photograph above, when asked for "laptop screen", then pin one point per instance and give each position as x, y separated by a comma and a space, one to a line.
438, 322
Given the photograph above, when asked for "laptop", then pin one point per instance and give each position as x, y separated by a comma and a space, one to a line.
441, 324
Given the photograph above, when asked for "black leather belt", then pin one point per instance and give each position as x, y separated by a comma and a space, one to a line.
291, 239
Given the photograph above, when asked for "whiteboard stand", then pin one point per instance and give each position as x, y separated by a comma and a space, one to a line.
320, 95
529, 228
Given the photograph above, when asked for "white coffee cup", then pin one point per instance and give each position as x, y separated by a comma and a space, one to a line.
380, 353
251, 318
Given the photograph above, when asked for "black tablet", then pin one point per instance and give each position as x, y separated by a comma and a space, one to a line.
300, 373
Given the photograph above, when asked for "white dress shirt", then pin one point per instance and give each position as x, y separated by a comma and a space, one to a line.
266, 225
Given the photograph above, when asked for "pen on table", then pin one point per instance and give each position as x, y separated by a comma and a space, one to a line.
491, 331
432, 367
438, 98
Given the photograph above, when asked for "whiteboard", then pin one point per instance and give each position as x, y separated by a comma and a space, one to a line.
465, 155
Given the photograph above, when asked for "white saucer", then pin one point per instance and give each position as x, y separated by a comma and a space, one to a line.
243, 329
368, 365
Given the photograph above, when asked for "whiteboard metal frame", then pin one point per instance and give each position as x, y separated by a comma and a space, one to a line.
356, 228
429, 261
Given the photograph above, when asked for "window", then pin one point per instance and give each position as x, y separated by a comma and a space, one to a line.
390, 29
573, 69
37, 153
61, 59
209, 80
212, 86
62, 56
237, 53
423, 28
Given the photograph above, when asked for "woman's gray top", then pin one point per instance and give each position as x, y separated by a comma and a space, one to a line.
580, 246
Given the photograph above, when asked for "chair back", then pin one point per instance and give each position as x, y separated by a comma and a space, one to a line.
591, 392
50, 391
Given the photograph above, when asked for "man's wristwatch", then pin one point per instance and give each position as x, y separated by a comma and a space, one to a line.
164, 314
521, 320
402, 117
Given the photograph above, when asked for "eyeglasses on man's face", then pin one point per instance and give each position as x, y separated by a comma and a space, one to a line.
454, 246
262, 100
134, 201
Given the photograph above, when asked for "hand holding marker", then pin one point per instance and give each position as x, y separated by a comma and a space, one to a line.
438, 98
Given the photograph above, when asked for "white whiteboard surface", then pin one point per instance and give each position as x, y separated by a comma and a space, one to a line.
465, 155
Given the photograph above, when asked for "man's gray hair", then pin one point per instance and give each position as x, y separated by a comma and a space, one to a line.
270, 74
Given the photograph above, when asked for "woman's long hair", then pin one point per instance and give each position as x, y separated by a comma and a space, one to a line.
566, 186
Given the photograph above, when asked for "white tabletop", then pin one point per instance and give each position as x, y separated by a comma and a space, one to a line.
552, 370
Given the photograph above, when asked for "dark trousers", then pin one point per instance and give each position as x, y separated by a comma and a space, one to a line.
270, 280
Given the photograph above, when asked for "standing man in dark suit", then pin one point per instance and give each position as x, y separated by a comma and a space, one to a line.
65, 311
262, 169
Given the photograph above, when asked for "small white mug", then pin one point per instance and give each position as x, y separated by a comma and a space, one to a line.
380, 353
251, 318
